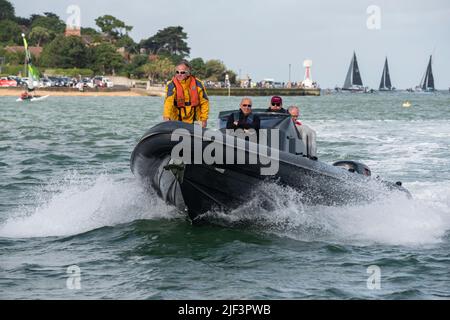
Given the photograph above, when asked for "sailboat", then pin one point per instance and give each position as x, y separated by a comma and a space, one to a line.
385, 84
353, 81
427, 83
33, 76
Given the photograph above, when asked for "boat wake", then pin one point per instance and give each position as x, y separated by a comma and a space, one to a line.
78, 204
394, 220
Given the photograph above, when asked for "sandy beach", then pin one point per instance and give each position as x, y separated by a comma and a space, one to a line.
15, 92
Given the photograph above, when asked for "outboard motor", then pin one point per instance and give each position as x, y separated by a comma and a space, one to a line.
354, 166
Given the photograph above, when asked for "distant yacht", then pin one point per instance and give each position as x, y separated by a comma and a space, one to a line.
353, 81
385, 84
427, 83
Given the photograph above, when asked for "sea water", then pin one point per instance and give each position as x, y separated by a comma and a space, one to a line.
76, 224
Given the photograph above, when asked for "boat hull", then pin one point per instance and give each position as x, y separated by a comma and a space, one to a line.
386, 90
33, 99
199, 188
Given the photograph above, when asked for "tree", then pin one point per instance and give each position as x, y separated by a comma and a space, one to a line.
134, 68
170, 42
215, 70
10, 32
159, 69
128, 43
13, 58
232, 76
40, 35
94, 35
7, 11
66, 52
198, 67
106, 59
23, 22
89, 32
139, 60
112, 26
49, 21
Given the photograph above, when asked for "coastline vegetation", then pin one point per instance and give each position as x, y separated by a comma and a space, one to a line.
106, 50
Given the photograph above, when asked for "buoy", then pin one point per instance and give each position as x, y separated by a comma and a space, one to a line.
406, 104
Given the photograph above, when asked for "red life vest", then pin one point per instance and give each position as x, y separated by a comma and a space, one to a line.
193, 93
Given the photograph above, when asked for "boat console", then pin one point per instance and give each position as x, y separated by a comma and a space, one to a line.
298, 140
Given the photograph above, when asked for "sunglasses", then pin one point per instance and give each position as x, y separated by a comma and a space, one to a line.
276, 104
247, 105
181, 72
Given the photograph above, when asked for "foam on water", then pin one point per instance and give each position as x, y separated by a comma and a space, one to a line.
394, 220
78, 204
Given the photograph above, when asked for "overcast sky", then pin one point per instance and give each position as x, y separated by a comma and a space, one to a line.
262, 37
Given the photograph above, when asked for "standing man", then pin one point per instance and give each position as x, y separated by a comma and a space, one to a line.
276, 105
186, 97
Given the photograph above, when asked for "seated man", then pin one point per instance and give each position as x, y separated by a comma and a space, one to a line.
276, 105
29, 93
307, 134
295, 114
244, 119
24, 96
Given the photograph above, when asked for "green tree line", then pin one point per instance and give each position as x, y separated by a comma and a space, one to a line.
98, 49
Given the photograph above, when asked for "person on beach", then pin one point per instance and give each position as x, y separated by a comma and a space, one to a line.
276, 105
186, 97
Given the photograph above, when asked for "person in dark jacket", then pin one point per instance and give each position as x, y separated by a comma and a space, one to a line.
244, 118
276, 105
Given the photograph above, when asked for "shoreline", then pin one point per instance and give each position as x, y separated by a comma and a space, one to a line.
15, 92
263, 92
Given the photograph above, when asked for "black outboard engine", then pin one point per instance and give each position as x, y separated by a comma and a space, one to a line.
354, 166
361, 168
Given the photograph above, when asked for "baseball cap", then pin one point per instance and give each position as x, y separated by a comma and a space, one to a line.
276, 99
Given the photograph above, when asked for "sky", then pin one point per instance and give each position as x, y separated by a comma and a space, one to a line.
271, 39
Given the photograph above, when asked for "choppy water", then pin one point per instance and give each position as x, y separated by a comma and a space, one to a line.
68, 198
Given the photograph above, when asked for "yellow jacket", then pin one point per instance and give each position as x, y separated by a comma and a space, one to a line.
187, 114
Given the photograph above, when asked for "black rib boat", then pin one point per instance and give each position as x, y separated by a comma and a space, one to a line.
239, 165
